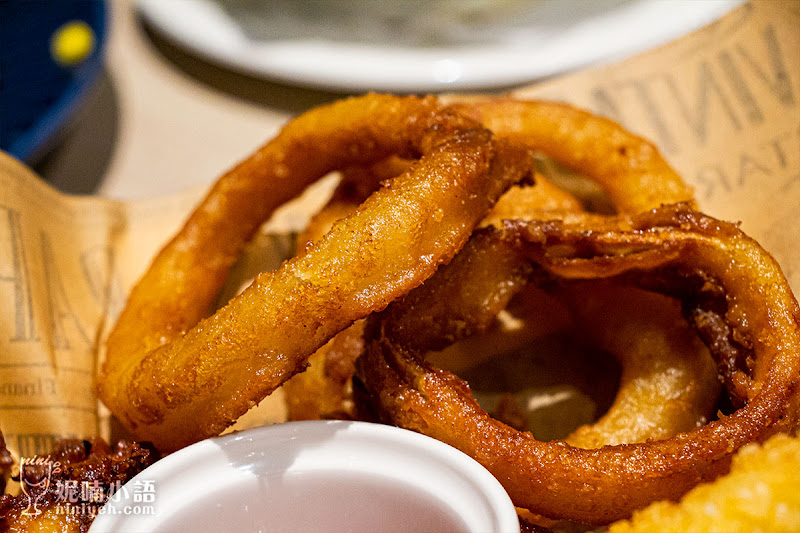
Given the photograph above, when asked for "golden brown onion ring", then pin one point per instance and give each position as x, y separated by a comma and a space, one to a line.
637, 178
629, 168
722, 276
323, 390
668, 383
173, 377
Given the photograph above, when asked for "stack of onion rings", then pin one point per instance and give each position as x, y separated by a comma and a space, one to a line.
173, 377
675, 394
720, 274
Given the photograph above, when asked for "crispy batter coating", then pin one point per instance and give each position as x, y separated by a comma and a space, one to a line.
669, 381
173, 377
91, 462
759, 494
629, 168
712, 267
324, 390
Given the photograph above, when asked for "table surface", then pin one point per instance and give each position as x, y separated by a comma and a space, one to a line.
161, 121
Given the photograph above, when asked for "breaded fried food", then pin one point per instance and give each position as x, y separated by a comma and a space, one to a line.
65, 492
174, 375
761, 493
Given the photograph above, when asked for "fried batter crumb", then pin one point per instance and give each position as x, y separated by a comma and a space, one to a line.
44, 506
761, 493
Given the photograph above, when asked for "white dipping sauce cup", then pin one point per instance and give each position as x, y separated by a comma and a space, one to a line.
313, 476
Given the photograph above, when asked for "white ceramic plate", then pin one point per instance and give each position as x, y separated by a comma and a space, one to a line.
312, 476
535, 39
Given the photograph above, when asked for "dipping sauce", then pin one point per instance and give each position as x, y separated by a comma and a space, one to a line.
320, 501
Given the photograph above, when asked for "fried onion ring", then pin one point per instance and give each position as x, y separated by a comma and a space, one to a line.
674, 393
628, 167
669, 382
722, 277
323, 390
173, 377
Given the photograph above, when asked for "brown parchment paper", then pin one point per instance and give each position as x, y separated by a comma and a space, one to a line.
723, 105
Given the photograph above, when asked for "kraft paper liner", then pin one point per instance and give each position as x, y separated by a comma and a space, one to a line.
723, 105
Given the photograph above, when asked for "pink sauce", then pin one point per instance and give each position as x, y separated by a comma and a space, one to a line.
329, 502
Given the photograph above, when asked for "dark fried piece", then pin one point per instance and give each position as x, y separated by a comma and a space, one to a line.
80, 470
6, 463
711, 266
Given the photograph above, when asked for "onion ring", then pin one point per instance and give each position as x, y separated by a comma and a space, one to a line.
628, 167
669, 382
638, 178
173, 377
323, 390
722, 276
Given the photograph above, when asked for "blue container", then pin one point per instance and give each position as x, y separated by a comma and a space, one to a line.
51, 53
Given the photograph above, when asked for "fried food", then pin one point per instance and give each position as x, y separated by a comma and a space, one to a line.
732, 292
629, 168
65, 492
324, 390
6, 463
669, 381
173, 377
759, 494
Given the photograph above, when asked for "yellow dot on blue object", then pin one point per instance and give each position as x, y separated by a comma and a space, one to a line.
72, 43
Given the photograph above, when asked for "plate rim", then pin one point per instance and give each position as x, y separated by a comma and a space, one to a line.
347, 68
